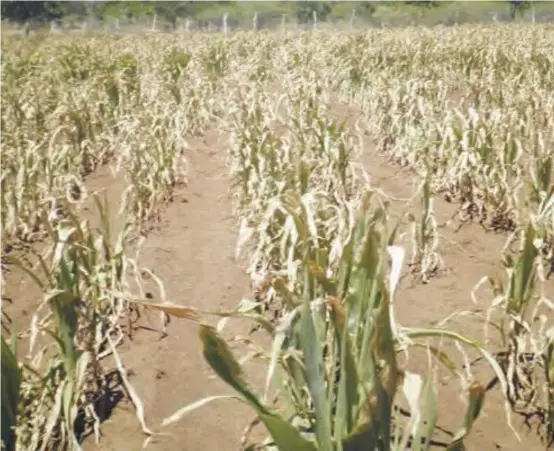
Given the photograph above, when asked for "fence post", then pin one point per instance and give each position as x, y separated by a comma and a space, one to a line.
225, 27
187, 25
154, 20
353, 18
314, 14
255, 21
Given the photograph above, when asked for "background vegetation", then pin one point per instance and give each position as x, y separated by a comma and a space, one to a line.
241, 12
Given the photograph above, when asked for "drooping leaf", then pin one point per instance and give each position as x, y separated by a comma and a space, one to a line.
219, 356
476, 399
285, 435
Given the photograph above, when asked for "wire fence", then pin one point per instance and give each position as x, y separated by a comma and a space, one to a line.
226, 23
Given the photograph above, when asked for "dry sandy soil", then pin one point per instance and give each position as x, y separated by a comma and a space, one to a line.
192, 251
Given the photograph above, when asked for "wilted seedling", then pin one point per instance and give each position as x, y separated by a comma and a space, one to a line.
425, 237
525, 327
78, 312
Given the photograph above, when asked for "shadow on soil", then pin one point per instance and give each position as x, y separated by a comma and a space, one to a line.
104, 405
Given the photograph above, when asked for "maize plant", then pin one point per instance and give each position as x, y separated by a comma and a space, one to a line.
335, 355
425, 259
70, 109
61, 382
461, 118
525, 327
541, 199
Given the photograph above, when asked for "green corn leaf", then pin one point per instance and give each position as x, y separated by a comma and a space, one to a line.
345, 268
285, 435
11, 381
383, 349
64, 307
362, 439
348, 397
312, 349
219, 357
524, 274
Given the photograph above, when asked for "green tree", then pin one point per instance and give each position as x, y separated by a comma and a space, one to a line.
422, 3
170, 11
366, 9
517, 6
110, 10
304, 11
20, 11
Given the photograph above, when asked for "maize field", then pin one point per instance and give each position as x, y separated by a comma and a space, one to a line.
305, 240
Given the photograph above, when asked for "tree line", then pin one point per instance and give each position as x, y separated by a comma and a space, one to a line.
44, 11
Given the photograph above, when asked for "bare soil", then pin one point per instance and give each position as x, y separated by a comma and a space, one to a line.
192, 252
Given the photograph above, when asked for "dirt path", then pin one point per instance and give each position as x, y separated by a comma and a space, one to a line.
193, 254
